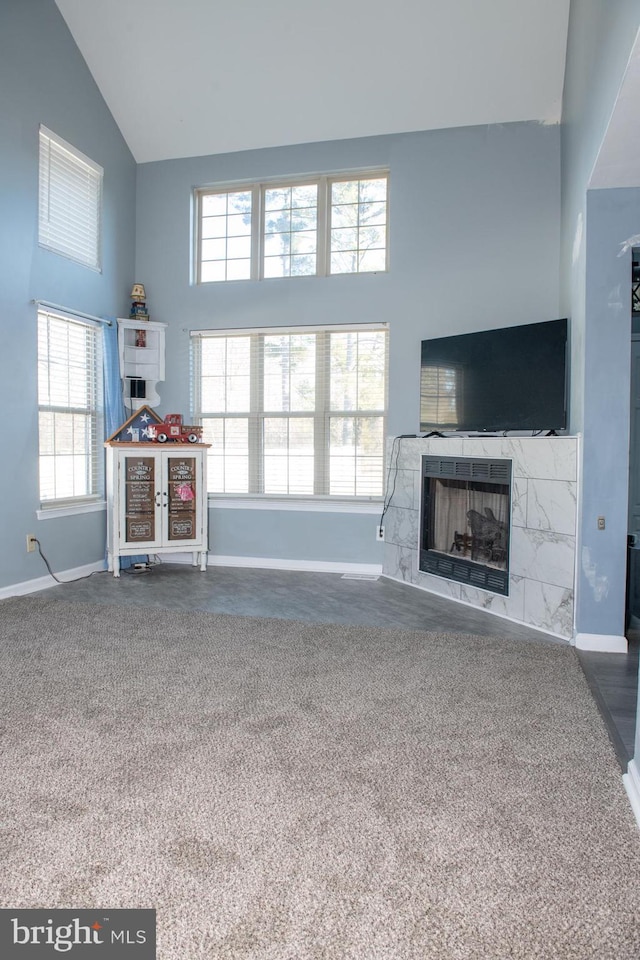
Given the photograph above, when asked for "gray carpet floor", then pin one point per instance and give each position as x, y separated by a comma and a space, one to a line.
281, 790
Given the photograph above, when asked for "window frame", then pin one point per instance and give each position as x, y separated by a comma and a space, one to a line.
94, 411
82, 242
321, 413
320, 255
258, 189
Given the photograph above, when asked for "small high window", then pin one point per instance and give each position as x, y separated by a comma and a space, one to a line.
358, 225
70, 204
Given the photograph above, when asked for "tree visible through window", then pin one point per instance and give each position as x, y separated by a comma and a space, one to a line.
359, 226
293, 412
293, 229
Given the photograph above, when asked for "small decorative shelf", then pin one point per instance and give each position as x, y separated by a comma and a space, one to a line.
141, 349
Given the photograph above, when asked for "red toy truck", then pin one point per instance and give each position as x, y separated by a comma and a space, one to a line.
172, 428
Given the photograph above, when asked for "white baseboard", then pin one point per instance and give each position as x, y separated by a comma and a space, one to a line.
275, 563
601, 643
631, 781
43, 583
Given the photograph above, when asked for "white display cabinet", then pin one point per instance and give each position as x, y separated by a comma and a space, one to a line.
141, 348
156, 501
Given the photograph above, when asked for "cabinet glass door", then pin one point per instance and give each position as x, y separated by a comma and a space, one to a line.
183, 513
140, 523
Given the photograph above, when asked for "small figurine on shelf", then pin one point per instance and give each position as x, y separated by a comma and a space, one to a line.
138, 302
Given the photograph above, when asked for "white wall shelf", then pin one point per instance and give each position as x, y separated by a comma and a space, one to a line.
141, 351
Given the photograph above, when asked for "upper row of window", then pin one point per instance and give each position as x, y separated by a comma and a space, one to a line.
324, 225
314, 228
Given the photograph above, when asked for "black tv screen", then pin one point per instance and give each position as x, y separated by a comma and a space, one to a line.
513, 378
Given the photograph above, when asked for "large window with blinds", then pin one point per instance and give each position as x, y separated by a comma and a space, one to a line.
69, 410
70, 201
295, 412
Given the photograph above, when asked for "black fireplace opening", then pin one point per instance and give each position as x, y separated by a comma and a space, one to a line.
466, 520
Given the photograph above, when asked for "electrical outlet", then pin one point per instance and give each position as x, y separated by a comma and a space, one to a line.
380, 532
31, 542
601, 523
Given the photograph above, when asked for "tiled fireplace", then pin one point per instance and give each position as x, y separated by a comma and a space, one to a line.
503, 537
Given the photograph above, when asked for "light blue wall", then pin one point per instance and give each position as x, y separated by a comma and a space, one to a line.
44, 79
612, 216
596, 289
601, 35
475, 234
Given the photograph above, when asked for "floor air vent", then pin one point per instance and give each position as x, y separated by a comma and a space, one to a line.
360, 576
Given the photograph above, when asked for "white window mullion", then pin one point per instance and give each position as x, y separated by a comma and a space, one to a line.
323, 422
257, 234
324, 220
195, 368
196, 240
256, 420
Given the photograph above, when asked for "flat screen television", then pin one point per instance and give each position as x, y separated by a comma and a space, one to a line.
513, 378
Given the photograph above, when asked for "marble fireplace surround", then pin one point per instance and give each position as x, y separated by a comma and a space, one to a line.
543, 525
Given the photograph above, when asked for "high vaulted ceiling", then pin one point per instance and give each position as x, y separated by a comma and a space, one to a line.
193, 77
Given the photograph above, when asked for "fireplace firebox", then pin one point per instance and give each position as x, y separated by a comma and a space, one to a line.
465, 520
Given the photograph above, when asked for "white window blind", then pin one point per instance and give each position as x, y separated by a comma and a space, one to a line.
70, 410
70, 206
295, 412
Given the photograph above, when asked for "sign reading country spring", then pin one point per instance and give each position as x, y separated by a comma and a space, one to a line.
101, 934
182, 499
140, 500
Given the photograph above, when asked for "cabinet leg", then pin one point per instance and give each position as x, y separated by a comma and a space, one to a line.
203, 561
116, 566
